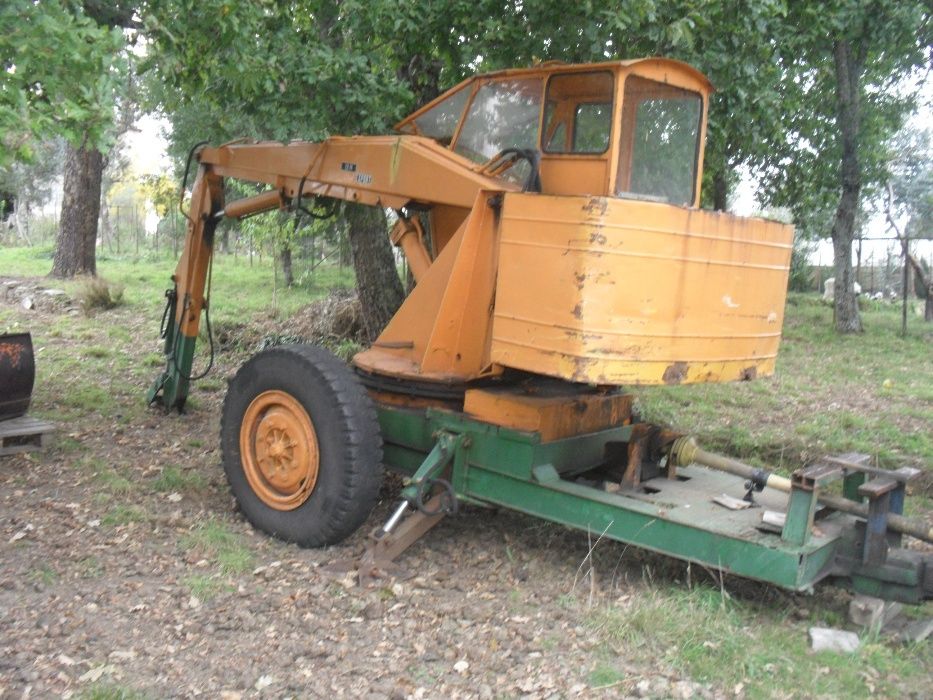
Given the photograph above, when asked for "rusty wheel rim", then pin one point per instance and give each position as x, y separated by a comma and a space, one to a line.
279, 450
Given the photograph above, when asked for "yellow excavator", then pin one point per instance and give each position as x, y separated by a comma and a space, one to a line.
550, 218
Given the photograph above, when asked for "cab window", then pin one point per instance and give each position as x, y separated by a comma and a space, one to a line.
660, 142
579, 114
440, 122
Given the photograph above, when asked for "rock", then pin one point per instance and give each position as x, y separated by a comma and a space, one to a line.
840, 641
868, 611
917, 631
28, 303
263, 682
461, 667
372, 611
683, 690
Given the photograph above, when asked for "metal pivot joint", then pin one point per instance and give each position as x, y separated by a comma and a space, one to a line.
417, 492
400, 532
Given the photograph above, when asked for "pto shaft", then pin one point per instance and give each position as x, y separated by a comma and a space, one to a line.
685, 451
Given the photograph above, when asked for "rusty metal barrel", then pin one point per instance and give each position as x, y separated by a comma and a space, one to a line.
17, 374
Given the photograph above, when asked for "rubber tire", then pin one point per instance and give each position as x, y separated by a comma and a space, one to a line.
350, 444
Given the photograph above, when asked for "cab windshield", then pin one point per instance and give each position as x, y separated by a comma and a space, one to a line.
503, 114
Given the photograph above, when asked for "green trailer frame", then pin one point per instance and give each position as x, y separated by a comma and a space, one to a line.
489, 465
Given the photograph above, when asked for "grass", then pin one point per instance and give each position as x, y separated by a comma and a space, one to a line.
96, 293
44, 574
110, 691
107, 477
123, 514
240, 289
727, 642
869, 393
204, 587
173, 478
214, 540
90, 567
604, 674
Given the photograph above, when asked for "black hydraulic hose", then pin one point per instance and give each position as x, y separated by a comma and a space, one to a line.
533, 157
210, 333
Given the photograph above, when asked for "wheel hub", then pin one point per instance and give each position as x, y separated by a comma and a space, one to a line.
279, 450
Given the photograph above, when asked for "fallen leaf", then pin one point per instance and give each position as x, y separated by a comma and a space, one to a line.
96, 673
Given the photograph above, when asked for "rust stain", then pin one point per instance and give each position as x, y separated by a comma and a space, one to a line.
675, 373
597, 206
749, 373
581, 369
12, 351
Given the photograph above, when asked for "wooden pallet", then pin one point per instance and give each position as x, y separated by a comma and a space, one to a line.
24, 434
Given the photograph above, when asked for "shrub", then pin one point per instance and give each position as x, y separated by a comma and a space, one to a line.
98, 293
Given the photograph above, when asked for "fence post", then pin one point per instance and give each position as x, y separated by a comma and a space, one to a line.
904, 292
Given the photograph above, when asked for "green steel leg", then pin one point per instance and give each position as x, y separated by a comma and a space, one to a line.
171, 387
799, 520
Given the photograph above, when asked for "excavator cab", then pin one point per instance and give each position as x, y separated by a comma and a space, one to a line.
628, 129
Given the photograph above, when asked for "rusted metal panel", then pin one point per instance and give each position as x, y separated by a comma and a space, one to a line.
17, 374
616, 291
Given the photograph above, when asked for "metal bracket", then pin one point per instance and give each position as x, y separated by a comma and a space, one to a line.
885, 496
801, 509
378, 561
445, 449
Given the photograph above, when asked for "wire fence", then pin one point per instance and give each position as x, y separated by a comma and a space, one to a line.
136, 231
883, 277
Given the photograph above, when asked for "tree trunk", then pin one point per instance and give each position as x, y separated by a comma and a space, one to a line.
845, 303
720, 190
377, 281
77, 231
285, 257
